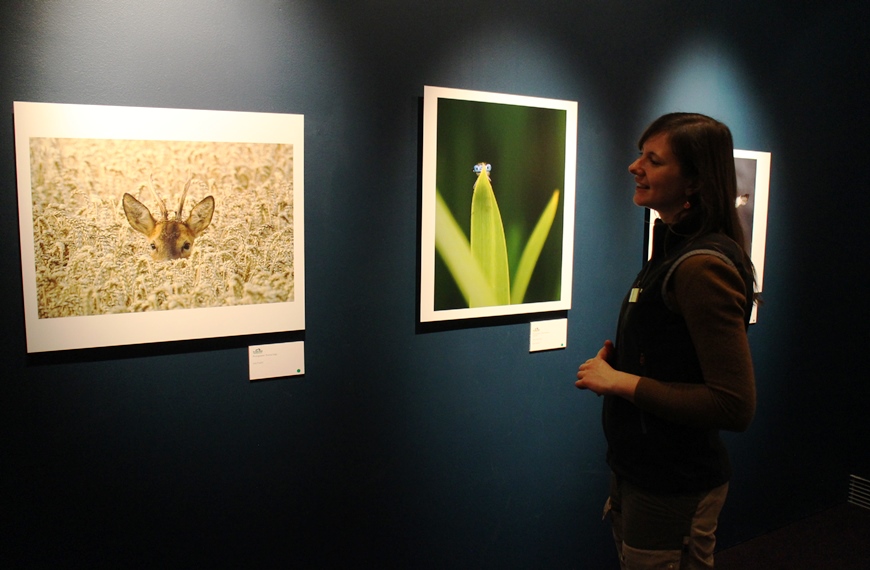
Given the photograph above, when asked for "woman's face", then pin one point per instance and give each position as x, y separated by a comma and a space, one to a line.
661, 185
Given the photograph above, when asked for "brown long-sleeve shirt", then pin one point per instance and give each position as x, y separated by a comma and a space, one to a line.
709, 294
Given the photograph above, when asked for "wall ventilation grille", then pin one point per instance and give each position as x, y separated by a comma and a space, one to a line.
859, 491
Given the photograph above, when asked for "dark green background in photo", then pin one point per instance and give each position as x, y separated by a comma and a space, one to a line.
526, 147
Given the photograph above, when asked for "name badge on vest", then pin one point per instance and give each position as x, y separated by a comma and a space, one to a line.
635, 292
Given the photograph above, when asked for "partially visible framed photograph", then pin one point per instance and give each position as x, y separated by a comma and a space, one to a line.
147, 225
497, 228
753, 188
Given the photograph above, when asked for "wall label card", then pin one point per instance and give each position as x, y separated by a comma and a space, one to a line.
276, 360
548, 335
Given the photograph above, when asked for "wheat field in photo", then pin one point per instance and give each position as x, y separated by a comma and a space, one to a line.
90, 261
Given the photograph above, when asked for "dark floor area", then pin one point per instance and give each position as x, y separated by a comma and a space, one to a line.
835, 539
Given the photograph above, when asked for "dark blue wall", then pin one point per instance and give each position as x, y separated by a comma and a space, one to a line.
403, 446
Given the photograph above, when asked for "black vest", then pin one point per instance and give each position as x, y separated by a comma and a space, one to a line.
652, 340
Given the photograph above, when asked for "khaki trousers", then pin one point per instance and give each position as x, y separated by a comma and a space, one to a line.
664, 531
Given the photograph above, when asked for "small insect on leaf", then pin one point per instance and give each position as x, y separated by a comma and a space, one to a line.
481, 166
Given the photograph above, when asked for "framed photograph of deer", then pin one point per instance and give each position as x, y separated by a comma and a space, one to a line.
752, 168
147, 225
497, 226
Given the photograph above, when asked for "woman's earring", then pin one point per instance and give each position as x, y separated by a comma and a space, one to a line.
687, 205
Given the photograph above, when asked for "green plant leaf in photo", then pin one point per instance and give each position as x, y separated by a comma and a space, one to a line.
488, 245
532, 251
454, 249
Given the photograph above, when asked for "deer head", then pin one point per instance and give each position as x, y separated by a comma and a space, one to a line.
169, 239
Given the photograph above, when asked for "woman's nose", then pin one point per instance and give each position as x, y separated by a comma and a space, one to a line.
634, 167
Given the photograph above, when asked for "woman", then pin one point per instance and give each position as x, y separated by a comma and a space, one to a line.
680, 369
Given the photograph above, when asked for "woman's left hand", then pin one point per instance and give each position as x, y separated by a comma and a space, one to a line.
597, 375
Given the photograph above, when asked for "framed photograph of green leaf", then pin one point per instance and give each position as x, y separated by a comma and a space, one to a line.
142, 225
498, 188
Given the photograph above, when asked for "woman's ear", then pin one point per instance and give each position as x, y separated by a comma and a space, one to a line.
692, 197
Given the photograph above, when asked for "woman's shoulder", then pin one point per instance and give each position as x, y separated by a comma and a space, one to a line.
702, 264
705, 278
704, 258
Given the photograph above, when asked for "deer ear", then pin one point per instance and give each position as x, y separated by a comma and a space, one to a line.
200, 216
138, 215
